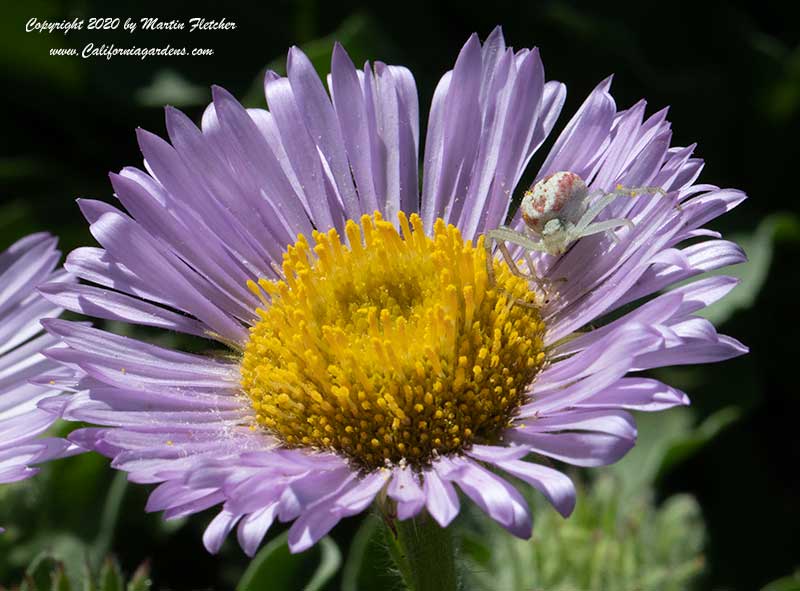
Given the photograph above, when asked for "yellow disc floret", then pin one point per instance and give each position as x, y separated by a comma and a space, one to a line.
396, 348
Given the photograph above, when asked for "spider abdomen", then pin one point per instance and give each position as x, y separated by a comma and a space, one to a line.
561, 195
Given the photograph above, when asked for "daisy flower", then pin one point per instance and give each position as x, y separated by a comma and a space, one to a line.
28, 409
373, 353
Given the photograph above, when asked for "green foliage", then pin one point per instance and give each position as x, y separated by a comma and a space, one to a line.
758, 246
275, 568
369, 563
61, 526
171, 88
665, 440
608, 543
47, 573
618, 537
790, 583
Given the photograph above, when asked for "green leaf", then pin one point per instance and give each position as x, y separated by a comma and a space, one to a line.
475, 546
47, 573
329, 565
684, 447
665, 440
38, 575
171, 88
87, 577
759, 247
109, 517
369, 565
140, 581
111, 576
277, 569
617, 537
658, 432
49, 549
610, 542
61, 580
790, 583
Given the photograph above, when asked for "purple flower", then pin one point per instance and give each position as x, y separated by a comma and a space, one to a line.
378, 355
28, 409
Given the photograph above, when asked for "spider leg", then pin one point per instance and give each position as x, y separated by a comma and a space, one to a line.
529, 261
521, 240
605, 226
531, 275
487, 244
531, 267
514, 237
590, 214
634, 191
524, 304
512, 266
540, 282
543, 283
492, 238
503, 235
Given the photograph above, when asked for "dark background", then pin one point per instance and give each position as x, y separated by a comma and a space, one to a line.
729, 71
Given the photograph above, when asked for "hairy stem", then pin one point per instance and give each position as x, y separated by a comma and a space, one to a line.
424, 553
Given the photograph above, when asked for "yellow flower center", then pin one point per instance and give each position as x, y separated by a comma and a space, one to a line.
396, 349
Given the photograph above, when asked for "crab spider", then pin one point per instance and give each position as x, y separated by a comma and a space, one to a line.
557, 212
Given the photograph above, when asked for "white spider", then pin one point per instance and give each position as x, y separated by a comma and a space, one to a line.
556, 213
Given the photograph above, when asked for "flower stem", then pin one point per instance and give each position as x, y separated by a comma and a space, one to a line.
424, 554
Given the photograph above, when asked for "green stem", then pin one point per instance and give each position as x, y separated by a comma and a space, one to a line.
424, 554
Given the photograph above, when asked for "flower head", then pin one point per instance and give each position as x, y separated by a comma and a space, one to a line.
394, 351
29, 401
374, 345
